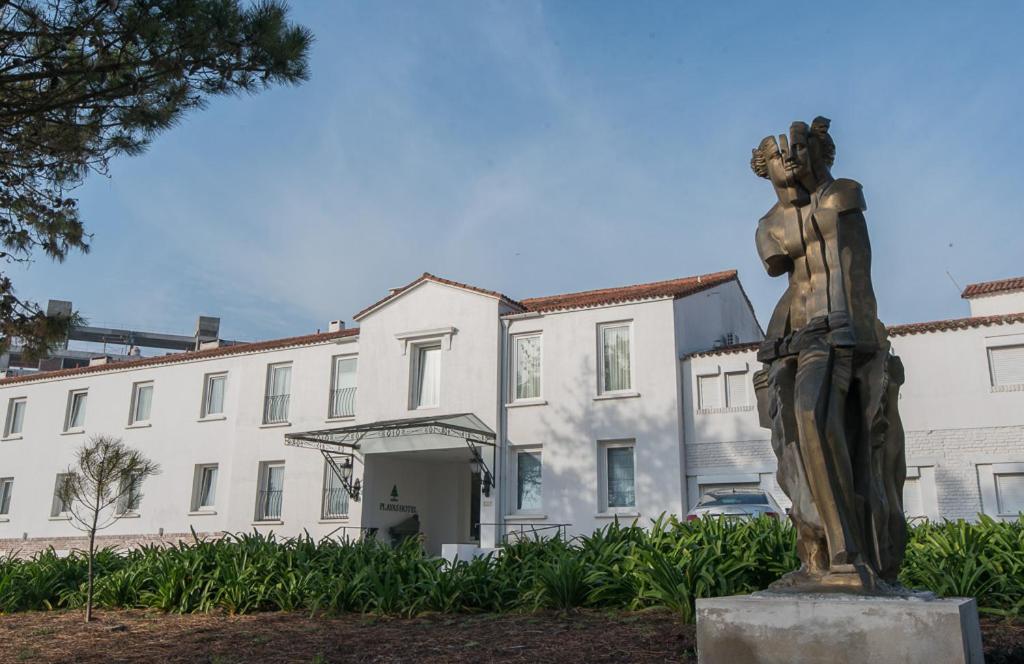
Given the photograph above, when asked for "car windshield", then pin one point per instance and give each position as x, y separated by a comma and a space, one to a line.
713, 500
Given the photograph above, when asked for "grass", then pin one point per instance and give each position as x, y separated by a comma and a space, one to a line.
668, 564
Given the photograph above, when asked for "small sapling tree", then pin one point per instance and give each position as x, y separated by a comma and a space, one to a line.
103, 484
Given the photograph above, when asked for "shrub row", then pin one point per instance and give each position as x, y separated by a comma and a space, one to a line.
668, 564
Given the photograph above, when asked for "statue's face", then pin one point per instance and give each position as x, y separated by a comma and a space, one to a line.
784, 173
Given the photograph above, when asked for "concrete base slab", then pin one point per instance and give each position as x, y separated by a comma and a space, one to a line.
777, 628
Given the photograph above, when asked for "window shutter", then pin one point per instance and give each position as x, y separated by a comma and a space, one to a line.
736, 389
1007, 365
1010, 493
710, 394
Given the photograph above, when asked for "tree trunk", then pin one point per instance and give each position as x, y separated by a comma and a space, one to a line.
92, 554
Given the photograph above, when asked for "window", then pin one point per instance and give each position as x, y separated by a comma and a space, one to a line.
526, 359
736, 390
15, 416
726, 486
213, 394
271, 491
1010, 493
131, 494
427, 376
343, 388
709, 392
1006, 365
204, 487
279, 381
529, 493
617, 473
61, 506
615, 367
75, 418
913, 503
6, 486
335, 501
142, 400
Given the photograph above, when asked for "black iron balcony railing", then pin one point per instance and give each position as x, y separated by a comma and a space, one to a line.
343, 402
268, 506
275, 409
335, 503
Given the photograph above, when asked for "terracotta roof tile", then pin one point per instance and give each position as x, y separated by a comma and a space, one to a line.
954, 324
671, 288
426, 276
174, 358
989, 287
727, 350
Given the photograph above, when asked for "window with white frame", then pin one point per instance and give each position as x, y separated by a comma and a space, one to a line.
61, 505
526, 358
1006, 366
335, 498
1009, 493
6, 487
204, 487
426, 371
270, 495
913, 500
74, 419
617, 473
142, 402
343, 387
737, 394
529, 481
709, 392
279, 385
130, 491
213, 394
15, 416
615, 368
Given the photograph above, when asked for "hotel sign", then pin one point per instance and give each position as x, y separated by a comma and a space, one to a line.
392, 504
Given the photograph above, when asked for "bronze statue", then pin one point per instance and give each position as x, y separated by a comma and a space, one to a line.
829, 388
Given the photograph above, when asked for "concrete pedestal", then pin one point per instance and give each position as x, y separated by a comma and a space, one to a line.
770, 628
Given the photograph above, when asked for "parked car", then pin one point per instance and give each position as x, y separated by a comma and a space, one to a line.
735, 504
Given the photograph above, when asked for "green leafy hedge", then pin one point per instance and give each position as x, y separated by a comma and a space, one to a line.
668, 564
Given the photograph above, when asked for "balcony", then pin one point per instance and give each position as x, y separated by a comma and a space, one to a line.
268, 505
275, 409
343, 402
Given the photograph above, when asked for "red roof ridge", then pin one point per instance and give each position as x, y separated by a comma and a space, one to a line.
989, 287
955, 324
427, 276
726, 350
174, 358
679, 287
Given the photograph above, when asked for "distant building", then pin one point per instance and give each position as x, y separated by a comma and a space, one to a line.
468, 416
101, 345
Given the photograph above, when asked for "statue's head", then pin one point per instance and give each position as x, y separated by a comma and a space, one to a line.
798, 164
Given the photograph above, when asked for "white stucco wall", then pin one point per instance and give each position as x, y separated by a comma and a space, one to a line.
997, 303
703, 318
572, 418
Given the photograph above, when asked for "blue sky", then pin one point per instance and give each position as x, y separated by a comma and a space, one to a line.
537, 148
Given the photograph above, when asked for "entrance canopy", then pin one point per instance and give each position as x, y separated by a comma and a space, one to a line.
406, 435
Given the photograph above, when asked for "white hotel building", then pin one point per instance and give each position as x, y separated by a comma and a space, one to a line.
578, 408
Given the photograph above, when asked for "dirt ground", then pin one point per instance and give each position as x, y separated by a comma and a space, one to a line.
145, 636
